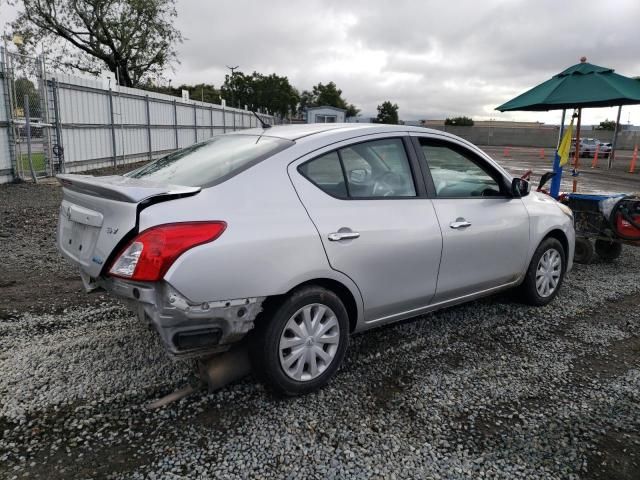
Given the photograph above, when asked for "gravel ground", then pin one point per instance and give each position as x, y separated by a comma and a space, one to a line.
490, 389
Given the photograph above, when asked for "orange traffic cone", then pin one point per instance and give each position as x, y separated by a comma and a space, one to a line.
594, 164
506, 151
542, 153
634, 159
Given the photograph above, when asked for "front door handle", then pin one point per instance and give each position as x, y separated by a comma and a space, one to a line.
337, 236
460, 223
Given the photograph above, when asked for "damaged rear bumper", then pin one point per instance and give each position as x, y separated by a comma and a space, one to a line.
186, 329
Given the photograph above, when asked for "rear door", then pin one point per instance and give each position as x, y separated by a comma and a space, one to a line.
375, 221
485, 232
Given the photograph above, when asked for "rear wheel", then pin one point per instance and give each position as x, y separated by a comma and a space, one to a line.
298, 345
608, 250
545, 274
584, 250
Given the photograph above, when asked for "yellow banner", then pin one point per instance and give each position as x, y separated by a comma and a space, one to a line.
565, 145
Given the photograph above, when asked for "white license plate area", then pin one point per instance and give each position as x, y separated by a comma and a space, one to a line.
78, 240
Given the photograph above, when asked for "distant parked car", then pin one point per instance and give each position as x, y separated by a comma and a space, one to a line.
588, 147
605, 148
296, 236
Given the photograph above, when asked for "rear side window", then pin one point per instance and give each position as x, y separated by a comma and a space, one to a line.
325, 173
211, 162
375, 169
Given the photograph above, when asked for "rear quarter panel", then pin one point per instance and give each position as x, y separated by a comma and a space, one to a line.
269, 246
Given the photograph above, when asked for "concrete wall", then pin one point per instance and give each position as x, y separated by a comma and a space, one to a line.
533, 137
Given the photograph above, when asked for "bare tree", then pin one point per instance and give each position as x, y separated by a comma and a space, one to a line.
134, 39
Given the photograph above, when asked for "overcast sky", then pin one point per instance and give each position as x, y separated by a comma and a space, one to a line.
433, 58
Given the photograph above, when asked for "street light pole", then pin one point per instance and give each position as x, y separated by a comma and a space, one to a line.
233, 87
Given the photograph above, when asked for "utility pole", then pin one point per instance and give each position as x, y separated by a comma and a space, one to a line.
233, 87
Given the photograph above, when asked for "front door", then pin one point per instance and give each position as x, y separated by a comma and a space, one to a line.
375, 223
485, 231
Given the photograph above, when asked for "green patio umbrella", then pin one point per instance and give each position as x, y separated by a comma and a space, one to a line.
583, 85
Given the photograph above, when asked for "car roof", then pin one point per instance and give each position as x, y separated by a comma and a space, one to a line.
298, 131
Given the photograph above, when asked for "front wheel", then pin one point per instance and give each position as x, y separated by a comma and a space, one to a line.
298, 345
545, 274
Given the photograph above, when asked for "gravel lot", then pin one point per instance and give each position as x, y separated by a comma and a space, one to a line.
491, 389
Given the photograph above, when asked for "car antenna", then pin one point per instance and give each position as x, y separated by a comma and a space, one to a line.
264, 124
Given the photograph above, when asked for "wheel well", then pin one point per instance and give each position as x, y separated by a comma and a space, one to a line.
336, 287
561, 237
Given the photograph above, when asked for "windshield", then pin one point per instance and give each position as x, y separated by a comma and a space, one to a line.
211, 162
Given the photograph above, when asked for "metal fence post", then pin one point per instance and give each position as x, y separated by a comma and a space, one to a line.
234, 120
211, 119
27, 119
113, 128
146, 98
175, 121
58, 151
224, 117
195, 122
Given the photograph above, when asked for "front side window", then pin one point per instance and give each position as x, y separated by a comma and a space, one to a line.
375, 169
212, 161
457, 173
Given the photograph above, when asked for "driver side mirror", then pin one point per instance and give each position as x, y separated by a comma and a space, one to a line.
358, 176
520, 188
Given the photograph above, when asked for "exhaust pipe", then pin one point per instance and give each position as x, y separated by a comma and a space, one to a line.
215, 373
225, 368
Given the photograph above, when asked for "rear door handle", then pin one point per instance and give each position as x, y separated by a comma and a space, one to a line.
460, 223
337, 236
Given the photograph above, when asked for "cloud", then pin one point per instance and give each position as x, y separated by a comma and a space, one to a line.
434, 59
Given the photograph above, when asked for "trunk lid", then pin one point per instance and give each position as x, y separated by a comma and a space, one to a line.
97, 213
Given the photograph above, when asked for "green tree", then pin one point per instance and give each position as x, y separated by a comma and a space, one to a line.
459, 121
607, 125
326, 95
134, 39
265, 92
23, 86
387, 113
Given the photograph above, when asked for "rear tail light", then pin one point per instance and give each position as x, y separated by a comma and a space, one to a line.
152, 252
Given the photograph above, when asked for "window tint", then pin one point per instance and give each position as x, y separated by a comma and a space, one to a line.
212, 161
378, 169
326, 173
455, 174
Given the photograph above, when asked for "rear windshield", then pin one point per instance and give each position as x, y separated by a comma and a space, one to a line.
211, 162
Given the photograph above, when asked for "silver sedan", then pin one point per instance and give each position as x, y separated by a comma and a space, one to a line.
291, 238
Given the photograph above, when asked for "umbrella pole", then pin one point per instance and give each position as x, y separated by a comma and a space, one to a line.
557, 169
576, 162
615, 139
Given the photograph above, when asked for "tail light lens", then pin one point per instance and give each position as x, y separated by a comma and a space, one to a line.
152, 252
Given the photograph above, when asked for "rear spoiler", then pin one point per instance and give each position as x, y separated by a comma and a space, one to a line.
122, 189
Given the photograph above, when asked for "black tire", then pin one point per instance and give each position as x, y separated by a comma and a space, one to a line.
584, 252
528, 291
264, 342
607, 250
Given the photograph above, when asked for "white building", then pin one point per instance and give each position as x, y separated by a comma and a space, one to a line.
326, 114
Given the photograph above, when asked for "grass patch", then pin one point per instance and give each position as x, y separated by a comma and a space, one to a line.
37, 158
